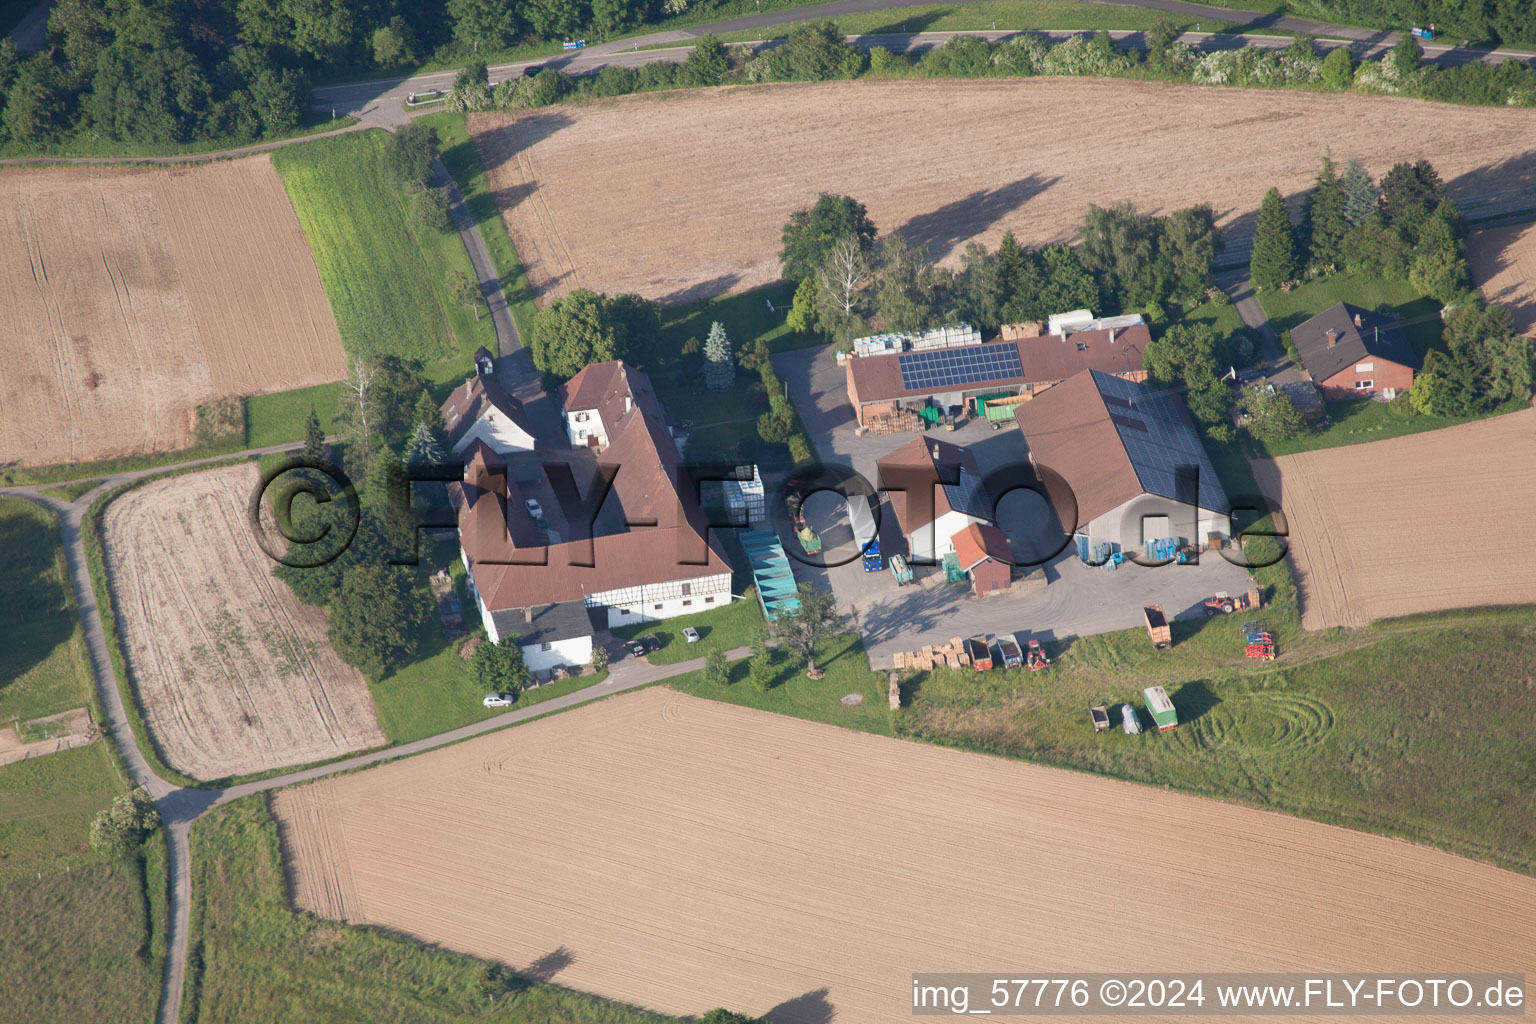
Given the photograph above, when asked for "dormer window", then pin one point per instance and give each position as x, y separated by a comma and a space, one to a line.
581, 417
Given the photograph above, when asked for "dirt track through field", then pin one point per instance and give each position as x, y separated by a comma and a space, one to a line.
233, 674
1411, 524
134, 294
1503, 262
681, 194
679, 854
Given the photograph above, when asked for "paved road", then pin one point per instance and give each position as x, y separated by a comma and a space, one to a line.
382, 101
180, 807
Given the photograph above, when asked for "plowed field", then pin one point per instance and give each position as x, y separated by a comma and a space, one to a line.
134, 294
681, 194
233, 674
680, 854
1503, 264
1411, 524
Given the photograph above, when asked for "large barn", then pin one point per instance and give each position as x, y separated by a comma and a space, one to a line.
883, 384
1133, 460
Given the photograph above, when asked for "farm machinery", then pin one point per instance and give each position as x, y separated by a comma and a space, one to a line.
1037, 657
1100, 715
1008, 652
1258, 642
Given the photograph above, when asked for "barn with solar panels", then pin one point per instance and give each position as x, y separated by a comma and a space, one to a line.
889, 380
1137, 476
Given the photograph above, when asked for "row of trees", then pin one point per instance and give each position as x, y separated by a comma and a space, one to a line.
1506, 21
375, 609
818, 52
1405, 229
851, 279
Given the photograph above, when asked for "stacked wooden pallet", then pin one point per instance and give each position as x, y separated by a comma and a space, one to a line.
894, 691
932, 656
898, 422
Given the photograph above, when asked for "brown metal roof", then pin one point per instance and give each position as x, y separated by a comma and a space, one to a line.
1068, 429
911, 477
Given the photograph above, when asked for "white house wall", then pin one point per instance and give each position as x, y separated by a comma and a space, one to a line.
498, 432
656, 601
1123, 526
583, 424
936, 539
570, 653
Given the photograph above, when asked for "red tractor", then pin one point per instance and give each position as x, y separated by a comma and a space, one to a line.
1036, 657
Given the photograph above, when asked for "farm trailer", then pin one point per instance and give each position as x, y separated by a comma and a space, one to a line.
1157, 626
1161, 707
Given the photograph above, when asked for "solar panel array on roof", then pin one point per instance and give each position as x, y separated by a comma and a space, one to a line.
1161, 443
968, 496
949, 368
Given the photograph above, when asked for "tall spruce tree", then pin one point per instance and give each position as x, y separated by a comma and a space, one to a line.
1325, 222
1274, 244
314, 438
1360, 196
719, 364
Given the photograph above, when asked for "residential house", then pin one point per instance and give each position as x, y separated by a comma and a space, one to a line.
1132, 461
645, 555
480, 410
1356, 353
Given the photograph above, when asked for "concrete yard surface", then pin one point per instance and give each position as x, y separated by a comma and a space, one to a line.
1076, 599
678, 854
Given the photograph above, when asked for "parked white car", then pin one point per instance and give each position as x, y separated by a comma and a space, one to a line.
534, 508
691, 635
499, 700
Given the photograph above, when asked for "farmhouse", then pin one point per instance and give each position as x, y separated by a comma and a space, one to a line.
985, 555
645, 555
1354, 352
1023, 364
935, 489
479, 410
1129, 467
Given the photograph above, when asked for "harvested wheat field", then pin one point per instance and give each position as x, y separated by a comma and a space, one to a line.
1503, 262
594, 201
1411, 524
679, 854
233, 674
135, 294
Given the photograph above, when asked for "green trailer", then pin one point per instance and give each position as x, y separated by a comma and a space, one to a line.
1161, 707
808, 540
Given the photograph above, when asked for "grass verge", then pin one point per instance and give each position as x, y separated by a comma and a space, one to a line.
719, 629
253, 958
468, 171
313, 122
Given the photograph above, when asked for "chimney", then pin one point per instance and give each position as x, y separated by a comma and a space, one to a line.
1111, 335
1357, 320
528, 614
1333, 336
628, 402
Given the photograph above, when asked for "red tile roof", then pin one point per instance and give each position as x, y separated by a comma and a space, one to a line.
979, 542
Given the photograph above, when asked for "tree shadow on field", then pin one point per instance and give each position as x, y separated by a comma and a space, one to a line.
550, 964
1194, 700
811, 1008
504, 143
942, 230
32, 601
703, 290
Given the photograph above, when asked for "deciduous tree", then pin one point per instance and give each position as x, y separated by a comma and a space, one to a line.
499, 667
815, 621
811, 233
